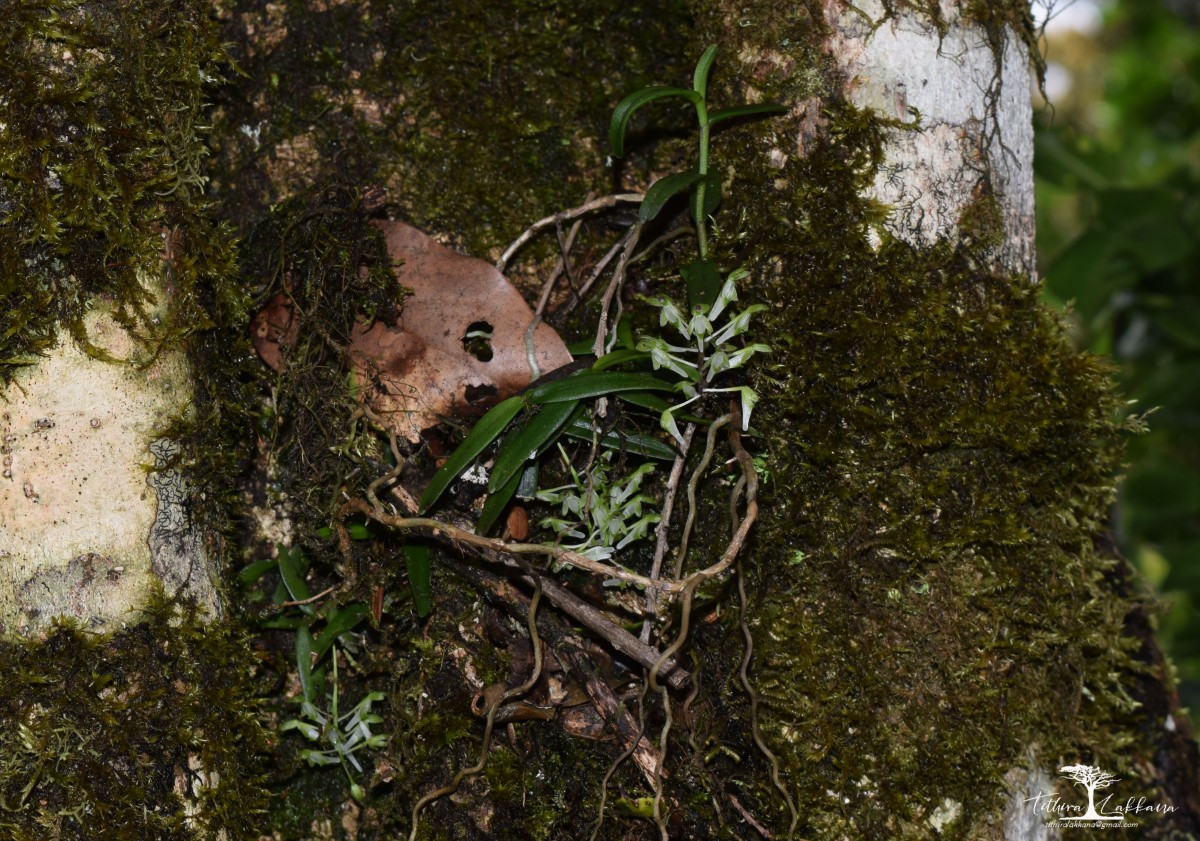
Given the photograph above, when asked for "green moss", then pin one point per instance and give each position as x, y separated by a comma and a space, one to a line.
102, 731
100, 155
476, 118
940, 455
943, 459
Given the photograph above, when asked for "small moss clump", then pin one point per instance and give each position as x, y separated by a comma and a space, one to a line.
102, 198
146, 733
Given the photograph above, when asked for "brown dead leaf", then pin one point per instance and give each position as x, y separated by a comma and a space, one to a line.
424, 368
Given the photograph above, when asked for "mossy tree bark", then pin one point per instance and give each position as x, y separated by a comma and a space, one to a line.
936, 628
122, 705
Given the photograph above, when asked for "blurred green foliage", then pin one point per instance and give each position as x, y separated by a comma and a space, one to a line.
1118, 217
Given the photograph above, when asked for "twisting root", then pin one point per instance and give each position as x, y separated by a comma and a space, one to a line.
562, 216
612, 769
661, 533
710, 445
747, 463
628, 243
684, 626
690, 699
515, 692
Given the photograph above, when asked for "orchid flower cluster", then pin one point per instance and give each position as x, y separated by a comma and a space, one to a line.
599, 514
713, 348
345, 735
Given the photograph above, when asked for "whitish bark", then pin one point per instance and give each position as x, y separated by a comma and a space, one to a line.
86, 528
967, 120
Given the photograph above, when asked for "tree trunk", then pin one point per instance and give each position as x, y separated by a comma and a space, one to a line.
935, 629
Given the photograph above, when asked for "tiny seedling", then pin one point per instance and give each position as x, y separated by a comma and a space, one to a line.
318, 626
600, 515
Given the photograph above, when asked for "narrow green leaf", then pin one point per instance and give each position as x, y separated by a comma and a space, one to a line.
700, 77
703, 282
495, 504
483, 433
634, 101
618, 357
527, 487
339, 623
663, 190
256, 571
646, 399
637, 444
526, 444
292, 577
304, 643
588, 384
416, 562
762, 109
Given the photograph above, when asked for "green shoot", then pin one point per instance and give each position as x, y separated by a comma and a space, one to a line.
711, 347
705, 190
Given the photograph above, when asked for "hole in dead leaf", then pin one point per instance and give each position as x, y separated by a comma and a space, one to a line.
479, 393
477, 341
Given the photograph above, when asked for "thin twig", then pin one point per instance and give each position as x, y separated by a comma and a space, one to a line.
661, 532
661, 240
309, 600
562, 265
593, 276
579, 610
592, 206
745, 813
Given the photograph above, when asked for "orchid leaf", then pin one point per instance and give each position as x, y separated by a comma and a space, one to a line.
588, 384
481, 435
626, 107
529, 442
703, 66
757, 110
663, 190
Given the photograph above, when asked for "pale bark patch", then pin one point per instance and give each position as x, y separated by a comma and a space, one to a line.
963, 123
82, 530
